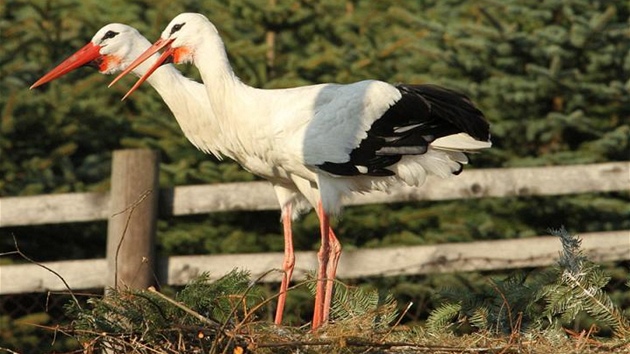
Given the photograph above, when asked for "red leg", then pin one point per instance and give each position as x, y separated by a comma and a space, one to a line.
331, 272
322, 256
287, 265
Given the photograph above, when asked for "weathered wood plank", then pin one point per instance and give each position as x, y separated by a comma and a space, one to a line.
411, 260
53, 209
555, 180
450, 257
31, 278
507, 182
201, 199
186, 200
481, 255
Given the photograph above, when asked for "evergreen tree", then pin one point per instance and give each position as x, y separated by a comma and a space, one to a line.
551, 76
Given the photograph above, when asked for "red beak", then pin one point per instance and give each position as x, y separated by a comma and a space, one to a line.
83, 56
160, 44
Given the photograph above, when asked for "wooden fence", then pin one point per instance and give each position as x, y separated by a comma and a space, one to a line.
135, 202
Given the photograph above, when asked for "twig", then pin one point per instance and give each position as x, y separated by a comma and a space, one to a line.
55, 329
134, 204
513, 327
505, 303
269, 299
190, 311
150, 300
398, 321
21, 254
355, 342
235, 307
10, 253
131, 209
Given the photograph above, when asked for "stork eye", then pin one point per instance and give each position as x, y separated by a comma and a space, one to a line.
109, 34
177, 27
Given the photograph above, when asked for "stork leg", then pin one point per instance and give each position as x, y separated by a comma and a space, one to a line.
331, 272
323, 257
328, 258
287, 265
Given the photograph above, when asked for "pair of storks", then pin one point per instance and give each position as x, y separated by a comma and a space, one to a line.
315, 144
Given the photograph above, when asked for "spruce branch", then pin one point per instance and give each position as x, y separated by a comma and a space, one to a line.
443, 317
513, 305
186, 309
580, 287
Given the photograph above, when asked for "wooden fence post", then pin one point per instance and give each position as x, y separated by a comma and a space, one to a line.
132, 220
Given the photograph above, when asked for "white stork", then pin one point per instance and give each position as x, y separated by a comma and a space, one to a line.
323, 142
113, 48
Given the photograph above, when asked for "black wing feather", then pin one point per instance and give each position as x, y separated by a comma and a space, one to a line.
423, 113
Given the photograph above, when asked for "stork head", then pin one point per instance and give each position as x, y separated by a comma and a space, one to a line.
111, 50
179, 41
182, 36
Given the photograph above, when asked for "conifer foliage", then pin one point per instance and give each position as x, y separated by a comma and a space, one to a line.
580, 288
199, 318
545, 302
224, 315
551, 76
221, 316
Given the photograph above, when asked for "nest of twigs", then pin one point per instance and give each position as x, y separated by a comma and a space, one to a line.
221, 317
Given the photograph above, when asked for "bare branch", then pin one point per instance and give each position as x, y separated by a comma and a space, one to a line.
21, 254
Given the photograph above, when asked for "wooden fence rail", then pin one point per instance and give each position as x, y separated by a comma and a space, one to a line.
408, 260
134, 261
253, 196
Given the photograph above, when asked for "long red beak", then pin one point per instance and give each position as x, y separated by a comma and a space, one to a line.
83, 56
157, 46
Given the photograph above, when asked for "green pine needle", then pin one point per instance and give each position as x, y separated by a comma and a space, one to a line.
546, 301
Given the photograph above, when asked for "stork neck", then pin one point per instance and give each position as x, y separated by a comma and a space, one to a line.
169, 83
163, 80
225, 90
188, 102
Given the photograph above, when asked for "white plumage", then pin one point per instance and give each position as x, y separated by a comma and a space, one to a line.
114, 47
320, 143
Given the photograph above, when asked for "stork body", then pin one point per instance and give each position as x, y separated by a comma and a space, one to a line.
322, 142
